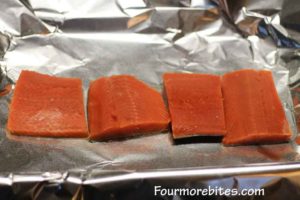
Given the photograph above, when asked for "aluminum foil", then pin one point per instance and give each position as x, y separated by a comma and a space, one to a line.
88, 39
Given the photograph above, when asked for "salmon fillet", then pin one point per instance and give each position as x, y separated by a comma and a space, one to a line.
121, 106
253, 111
195, 104
47, 106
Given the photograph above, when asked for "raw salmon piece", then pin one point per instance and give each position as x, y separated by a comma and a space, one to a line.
253, 111
195, 104
122, 106
47, 106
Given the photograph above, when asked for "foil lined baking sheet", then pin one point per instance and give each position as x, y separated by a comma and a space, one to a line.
88, 39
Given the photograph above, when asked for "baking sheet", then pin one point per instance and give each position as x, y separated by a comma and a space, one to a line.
145, 39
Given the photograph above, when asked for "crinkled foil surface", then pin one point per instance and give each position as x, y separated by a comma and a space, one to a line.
146, 38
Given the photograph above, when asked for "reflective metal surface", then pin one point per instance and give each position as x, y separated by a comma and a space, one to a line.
88, 39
